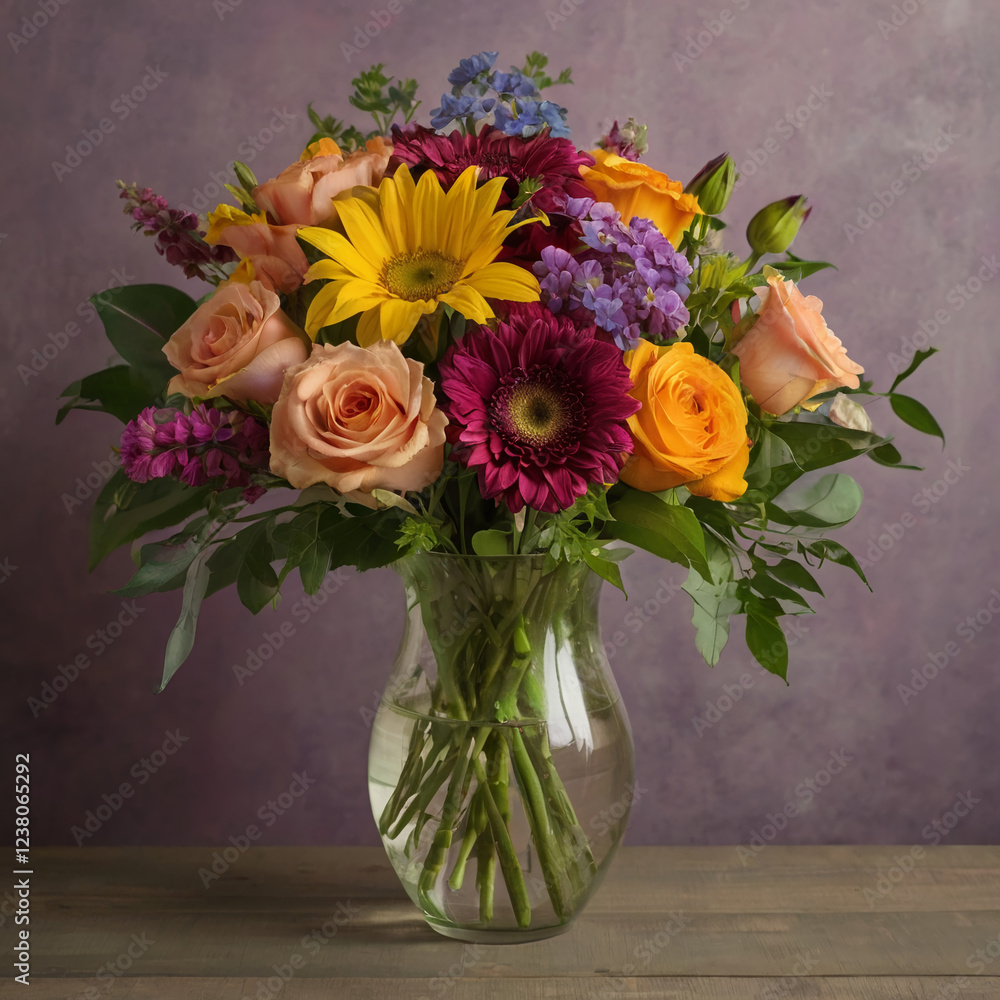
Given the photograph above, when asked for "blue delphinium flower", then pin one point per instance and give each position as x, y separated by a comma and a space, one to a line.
468, 69
461, 107
514, 83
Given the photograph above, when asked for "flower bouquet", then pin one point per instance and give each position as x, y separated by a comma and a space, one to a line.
493, 360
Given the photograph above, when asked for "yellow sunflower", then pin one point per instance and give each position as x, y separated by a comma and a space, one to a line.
411, 248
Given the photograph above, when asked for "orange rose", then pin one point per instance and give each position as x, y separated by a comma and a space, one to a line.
635, 189
358, 419
790, 354
691, 430
237, 344
303, 193
276, 258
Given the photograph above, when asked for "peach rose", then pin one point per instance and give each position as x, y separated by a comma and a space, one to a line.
691, 430
636, 189
238, 344
790, 354
303, 193
275, 255
358, 419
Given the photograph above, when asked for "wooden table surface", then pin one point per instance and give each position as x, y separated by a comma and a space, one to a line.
669, 922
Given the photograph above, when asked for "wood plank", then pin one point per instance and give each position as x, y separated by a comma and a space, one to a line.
277, 903
545, 988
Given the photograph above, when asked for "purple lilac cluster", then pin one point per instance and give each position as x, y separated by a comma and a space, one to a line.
516, 107
176, 232
629, 281
196, 447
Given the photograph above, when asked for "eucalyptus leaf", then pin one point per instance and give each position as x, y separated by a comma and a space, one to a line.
182, 636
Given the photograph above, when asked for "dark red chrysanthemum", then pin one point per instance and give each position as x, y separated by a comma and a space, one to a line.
556, 161
539, 408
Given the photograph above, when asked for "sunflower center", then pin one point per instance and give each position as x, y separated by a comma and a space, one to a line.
540, 408
420, 274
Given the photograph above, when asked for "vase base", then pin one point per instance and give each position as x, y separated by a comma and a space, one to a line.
481, 935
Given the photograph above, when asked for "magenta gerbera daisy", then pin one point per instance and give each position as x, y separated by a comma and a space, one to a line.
539, 408
556, 162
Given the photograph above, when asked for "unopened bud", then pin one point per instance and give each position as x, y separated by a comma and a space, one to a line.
713, 184
774, 227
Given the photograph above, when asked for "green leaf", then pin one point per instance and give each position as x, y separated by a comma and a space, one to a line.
307, 548
667, 530
768, 452
715, 601
606, 568
887, 454
830, 502
795, 268
125, 510
491, 542
914, 413
162, 567
118, 390
138, 320
918, 359
181, 639
825, 548
766, 641
256, 580
795, 575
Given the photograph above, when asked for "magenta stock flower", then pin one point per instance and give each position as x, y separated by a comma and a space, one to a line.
539, 408
176, 232
196, 448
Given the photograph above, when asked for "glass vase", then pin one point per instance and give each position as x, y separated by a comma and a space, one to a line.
501, 768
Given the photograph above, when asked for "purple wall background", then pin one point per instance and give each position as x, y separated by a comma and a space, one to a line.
878, 103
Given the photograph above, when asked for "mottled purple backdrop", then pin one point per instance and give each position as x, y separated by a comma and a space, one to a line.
835, 99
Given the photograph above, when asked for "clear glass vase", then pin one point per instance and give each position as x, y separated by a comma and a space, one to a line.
501, 766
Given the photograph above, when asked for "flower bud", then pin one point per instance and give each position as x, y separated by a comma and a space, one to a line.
713, 184
774, 227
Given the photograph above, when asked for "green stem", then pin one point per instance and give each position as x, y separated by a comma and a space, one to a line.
538, 818
509, 865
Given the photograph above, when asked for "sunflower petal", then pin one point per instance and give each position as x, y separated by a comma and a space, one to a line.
503, 280
399, 317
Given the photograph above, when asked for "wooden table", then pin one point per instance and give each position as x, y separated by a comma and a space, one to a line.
669, 922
